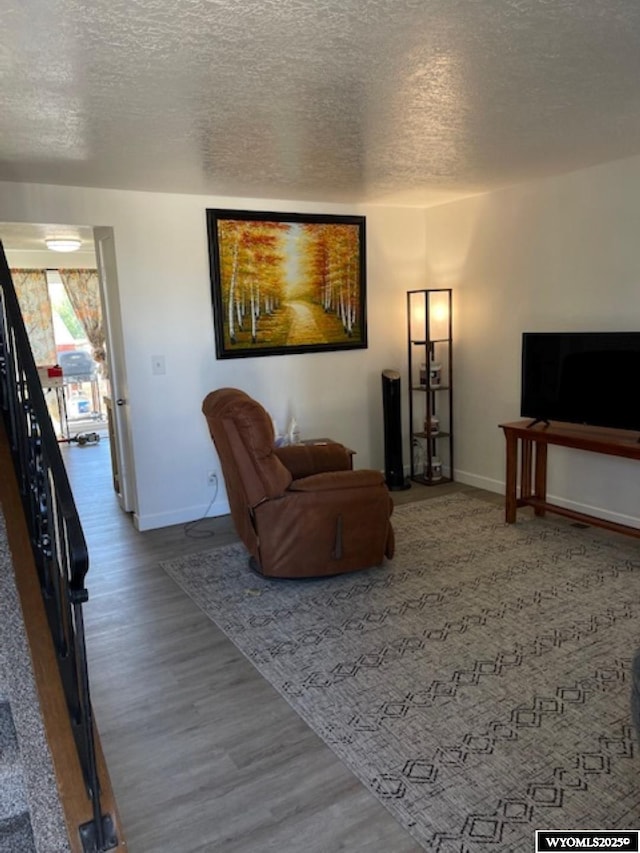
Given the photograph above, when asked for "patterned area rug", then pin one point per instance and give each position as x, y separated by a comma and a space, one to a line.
478, 684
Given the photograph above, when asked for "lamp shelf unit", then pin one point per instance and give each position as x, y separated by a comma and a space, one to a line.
429, 341
434, 390
432, 435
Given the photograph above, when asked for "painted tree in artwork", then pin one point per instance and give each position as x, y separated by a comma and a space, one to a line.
332, 268
346, 274
251, 273
229, 242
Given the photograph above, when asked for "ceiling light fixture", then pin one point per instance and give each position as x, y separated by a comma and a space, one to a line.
63, 244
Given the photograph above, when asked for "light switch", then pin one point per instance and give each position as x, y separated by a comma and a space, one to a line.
158, 365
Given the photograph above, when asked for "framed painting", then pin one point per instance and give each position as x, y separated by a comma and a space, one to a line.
286, 282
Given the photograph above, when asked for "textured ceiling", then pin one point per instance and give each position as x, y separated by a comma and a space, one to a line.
377, 100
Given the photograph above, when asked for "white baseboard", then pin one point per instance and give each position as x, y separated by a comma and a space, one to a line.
185, 515
599, 512
486, 483
180, 516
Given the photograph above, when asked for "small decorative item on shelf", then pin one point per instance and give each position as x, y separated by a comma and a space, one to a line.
435, 473
432, 427
435, 371
423, 375
293, 433
279, 438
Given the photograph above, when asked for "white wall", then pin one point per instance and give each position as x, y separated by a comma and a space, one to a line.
163, 271
555, 254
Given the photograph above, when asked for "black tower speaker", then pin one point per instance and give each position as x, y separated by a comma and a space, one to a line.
391, 404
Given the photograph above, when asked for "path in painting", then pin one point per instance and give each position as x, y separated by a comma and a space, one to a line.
304, 326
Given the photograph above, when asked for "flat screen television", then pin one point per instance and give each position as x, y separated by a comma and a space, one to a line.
582, 377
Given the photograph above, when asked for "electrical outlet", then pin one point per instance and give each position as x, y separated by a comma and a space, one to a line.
212, 478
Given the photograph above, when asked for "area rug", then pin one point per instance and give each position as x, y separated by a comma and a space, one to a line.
478, 683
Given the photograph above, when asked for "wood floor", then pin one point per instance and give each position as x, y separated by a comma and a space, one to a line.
204, 754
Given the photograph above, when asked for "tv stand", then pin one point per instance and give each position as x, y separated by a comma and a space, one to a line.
522, 436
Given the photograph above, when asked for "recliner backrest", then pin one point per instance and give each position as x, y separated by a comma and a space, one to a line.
242, 432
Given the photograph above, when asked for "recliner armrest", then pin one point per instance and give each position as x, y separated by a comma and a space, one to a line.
333, 480
303, 460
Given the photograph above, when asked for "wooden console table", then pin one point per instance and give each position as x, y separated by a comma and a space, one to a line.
521, 440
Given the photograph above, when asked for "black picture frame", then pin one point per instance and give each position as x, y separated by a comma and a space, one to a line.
284, 283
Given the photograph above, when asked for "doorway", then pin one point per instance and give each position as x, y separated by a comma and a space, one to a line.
80, 414
79, 401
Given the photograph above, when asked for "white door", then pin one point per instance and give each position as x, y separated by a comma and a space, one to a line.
120, 428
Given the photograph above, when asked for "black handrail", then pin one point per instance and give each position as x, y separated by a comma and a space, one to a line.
56, 535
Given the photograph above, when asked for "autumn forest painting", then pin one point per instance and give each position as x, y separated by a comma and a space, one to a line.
285, 283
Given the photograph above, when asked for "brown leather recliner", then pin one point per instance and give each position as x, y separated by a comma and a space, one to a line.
300, 510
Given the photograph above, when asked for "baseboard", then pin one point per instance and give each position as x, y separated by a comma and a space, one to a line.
498, 486
180, 516
597, 511
187, 514
486, 483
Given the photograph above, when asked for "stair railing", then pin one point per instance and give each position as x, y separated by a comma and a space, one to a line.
57, 539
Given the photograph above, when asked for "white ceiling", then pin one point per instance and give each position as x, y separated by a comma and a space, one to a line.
414, 101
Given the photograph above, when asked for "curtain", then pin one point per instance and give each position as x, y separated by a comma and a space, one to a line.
84, 295
33, 296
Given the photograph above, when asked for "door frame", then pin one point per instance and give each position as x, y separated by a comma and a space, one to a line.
120, 422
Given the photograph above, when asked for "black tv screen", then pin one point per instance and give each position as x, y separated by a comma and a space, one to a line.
582, 377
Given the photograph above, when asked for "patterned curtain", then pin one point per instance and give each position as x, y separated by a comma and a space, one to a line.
84, 295
33, 296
